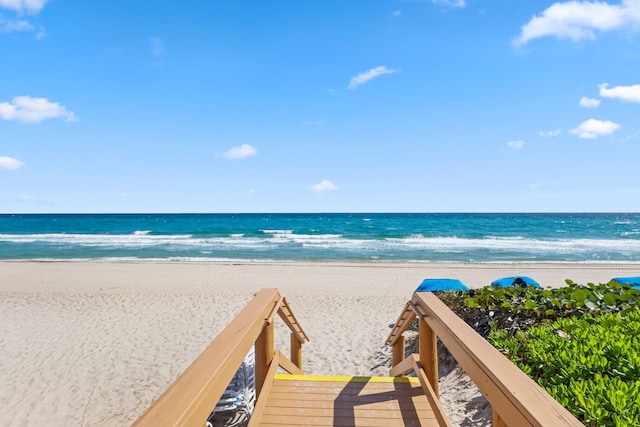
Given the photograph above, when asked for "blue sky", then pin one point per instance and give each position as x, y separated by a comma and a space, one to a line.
332, 106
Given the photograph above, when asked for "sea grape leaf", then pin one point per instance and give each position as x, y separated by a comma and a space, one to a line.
580, 295
610, 299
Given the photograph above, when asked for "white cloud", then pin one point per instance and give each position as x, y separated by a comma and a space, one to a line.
516, 145
241, 152
21, 6
550, 133
33, 110
589, 102
8, 26
362, 78
396, 13
157, 46
535, 186
538, 185
29, 199
8, 163
41, 33
18, 25
324, 186
593, 128
450, 3
577, 20
623, 93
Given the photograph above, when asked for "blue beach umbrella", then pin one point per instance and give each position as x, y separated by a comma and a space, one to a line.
522, 281
634, 281
430, 285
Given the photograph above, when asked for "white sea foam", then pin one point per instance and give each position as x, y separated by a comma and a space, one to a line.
141, 232
286, 239
122, 240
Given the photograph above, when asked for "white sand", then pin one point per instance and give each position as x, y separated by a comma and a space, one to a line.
94, 343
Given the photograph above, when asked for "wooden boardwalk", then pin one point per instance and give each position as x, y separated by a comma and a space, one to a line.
346, 401
295, 399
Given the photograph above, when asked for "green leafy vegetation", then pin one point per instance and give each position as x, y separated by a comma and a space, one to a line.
591, 365
566, 301
580, 343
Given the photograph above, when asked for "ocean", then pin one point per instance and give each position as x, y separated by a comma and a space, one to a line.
410, 237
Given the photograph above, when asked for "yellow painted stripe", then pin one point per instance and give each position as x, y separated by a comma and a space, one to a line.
347, 379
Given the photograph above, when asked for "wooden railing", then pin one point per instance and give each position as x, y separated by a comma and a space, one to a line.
515, 398
192, 397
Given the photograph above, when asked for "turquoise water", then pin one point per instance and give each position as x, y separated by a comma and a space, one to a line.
385, 237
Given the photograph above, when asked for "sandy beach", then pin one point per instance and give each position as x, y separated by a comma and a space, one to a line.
95, 343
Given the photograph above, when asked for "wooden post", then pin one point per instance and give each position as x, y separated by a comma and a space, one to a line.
429, 354
296, 351
497, 421
398, 351
264, 355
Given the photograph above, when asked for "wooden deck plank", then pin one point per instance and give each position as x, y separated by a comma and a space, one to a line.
360, 412
351, 398
345, 378
347, 389
282, 420
347, 401
347, 386
418, 404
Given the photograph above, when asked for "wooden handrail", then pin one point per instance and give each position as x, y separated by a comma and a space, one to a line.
516, 399
192, 397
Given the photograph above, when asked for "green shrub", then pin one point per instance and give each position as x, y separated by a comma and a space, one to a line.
591, 365
555, 303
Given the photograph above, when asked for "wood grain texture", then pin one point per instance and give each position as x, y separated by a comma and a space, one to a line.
346, 401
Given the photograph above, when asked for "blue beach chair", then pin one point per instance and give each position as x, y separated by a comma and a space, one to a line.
522, 281
430, 285
633, 281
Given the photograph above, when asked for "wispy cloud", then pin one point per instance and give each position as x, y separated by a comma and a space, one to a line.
535, 186
363, 78
516, 145
157, 49
550, 133
578, 20
23, 6
538, 185
156, 46
8, 26
26, 109
396, 13
589, 102
593, 128
240, 152
9, 163
450, 3
323, 186
623, 93
19, 24
33, 200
